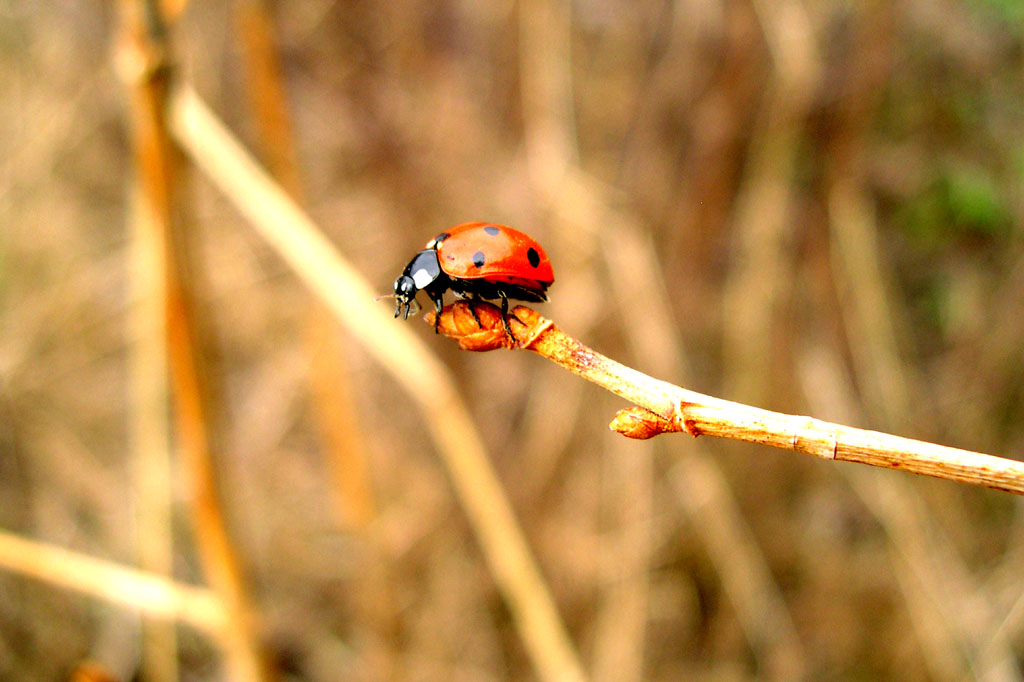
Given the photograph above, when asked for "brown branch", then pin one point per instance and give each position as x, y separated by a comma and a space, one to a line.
666, 408
145, 67
267, 94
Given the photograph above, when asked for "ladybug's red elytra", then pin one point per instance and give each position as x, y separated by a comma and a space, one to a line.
477, 261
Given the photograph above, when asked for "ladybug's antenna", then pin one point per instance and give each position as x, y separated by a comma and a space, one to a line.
411, 307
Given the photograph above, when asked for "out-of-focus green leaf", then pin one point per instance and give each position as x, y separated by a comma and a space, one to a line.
960, 202
1011, 11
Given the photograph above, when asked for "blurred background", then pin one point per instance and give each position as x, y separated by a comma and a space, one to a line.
813, 207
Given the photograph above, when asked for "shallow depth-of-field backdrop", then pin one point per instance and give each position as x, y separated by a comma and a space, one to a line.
814, 207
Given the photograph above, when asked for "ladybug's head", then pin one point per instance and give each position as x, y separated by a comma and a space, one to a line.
418, 274
405, 294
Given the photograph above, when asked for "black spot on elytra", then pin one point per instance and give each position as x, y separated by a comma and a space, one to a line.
478, 259
491, 230
533, 256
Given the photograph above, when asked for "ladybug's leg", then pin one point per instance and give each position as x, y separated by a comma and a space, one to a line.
472, 309
438, 307
504, 316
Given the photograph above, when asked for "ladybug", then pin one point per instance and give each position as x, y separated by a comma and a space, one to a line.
476, 261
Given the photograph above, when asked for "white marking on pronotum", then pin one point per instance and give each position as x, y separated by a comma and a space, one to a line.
421, 278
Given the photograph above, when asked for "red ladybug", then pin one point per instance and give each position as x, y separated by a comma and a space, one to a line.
477, 261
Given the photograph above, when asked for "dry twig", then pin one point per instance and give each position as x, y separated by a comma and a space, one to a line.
299, 242
665, 408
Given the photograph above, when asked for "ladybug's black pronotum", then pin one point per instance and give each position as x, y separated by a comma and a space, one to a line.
476, 261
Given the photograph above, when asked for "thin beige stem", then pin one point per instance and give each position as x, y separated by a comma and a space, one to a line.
149, 593
151, 431
329, 374
315, 259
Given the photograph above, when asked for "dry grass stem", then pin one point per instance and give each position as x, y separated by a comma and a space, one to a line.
150, 430
752, 589
590, 213
676, 409
151, 594
330, 385
267, 96
315, 259
813, 208
758, 276
951, 616
955, 621
144, 45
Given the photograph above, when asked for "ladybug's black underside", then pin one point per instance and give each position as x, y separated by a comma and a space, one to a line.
480, 288
476, 289
424, 272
